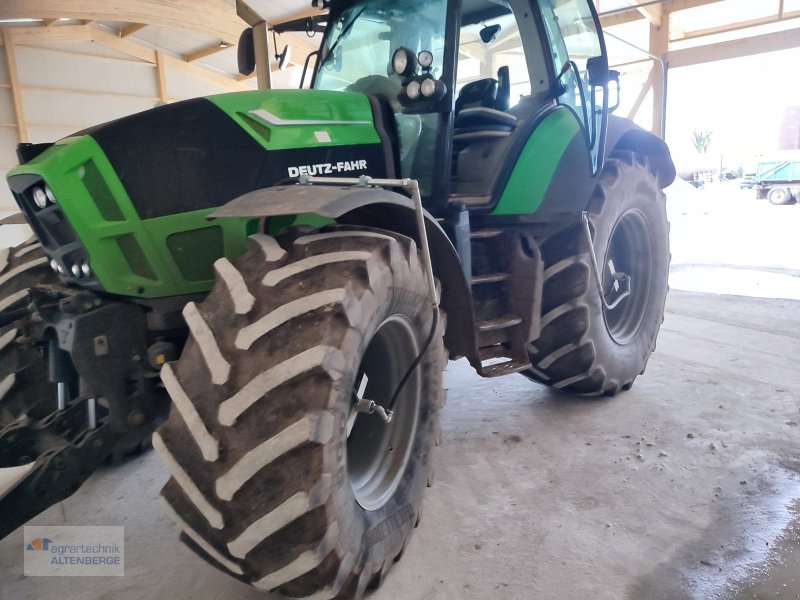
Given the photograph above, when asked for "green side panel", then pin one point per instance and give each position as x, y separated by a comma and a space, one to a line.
536, 166
150, 258
305, 118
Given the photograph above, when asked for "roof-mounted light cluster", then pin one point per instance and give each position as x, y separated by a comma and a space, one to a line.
419, 85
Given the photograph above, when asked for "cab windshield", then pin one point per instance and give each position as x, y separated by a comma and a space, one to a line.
363, 39
357, 57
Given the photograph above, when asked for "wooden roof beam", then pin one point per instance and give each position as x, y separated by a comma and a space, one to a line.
82, 33
628, 15
691, 35
653, 14
16, 89
213, 77
210, 50
131, 29
38, 35
214, 18
759, 44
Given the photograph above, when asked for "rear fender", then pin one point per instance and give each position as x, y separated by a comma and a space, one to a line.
375, 207
624, 134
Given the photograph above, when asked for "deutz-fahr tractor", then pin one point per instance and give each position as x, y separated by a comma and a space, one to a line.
268, 284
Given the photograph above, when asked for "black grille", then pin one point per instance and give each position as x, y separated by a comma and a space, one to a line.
53, 230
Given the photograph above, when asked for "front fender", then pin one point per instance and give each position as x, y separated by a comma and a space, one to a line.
375, 207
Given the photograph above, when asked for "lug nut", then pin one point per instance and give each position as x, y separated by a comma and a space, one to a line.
135, 418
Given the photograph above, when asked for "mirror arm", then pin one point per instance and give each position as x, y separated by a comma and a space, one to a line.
305, 66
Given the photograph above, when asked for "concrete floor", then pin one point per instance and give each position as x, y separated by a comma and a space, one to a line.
684, 487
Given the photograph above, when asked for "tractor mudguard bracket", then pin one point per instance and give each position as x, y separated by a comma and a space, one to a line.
353, 202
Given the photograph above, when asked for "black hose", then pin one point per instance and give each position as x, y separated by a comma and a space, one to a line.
417, 360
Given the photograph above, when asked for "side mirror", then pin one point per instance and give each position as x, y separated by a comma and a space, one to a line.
597, 70
246, 52
489, 33
284, 57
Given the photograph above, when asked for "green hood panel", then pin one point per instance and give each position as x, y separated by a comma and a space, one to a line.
281, 119
135, 192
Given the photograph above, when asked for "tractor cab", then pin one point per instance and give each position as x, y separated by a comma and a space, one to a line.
467, 84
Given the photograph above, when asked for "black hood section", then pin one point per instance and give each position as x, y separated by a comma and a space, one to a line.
190, 156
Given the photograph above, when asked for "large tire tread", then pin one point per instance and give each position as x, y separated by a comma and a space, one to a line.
565, 356
271, 522
24, 388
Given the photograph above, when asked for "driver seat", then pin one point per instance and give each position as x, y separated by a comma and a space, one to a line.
481, 109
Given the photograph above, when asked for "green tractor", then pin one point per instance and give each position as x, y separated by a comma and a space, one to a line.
269, 284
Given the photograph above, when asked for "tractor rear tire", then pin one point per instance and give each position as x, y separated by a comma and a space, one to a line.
272, 480
25, 389
585, 348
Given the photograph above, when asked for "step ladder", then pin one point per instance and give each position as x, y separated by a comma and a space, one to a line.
503, 324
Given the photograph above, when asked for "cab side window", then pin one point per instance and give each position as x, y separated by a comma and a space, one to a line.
489, 40
573, 40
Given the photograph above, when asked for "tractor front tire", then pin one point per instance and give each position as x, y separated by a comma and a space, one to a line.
276, 480
585, 347
25, 390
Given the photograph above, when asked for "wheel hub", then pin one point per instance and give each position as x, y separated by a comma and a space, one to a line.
629, 257
379, 447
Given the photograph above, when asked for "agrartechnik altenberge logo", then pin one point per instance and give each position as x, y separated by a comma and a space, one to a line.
74, 551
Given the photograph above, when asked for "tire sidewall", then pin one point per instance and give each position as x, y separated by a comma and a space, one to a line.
786, 197
371, 537
635, 189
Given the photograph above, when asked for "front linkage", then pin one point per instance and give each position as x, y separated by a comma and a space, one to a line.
109, 396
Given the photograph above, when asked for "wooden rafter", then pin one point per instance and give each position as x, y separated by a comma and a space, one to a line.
131, 29
633, 13
215, 18
213, 77
83, 33
659, 46
109, 39
161, 78
64, 33
16, 89
691, 35
759, 44
208, 51
651, 13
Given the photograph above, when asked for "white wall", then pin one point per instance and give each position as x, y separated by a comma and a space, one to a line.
66, 87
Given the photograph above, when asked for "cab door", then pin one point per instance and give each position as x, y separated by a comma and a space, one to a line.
580, 61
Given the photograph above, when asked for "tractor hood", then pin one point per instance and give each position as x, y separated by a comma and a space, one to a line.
131, 196
202, 153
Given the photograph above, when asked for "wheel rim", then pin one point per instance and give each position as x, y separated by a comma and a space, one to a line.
778, 196
630, 252
377, 452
